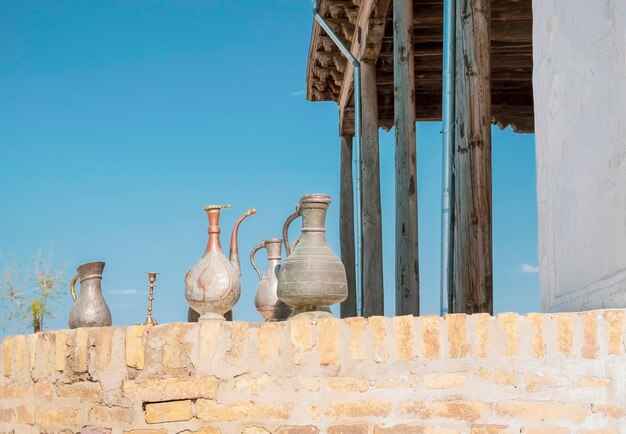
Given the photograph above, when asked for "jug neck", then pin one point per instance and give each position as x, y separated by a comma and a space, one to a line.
214, 231
273, 247
314, 217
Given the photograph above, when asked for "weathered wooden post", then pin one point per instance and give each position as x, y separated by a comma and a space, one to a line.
473, 281
346, 224
373, 302
407, 263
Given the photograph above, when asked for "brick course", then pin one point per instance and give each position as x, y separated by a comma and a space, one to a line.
537, 373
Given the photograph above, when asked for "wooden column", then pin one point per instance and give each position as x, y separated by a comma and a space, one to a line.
346, 224
473, 282
373, 303
407, 263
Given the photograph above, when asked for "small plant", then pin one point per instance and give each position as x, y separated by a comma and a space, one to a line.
26, 292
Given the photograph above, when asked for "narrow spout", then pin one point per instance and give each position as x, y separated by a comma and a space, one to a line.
234, 247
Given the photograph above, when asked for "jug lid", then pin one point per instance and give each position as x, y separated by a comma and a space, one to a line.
210, 207
315, 198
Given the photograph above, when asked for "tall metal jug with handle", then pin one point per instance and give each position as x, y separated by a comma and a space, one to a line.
312, 278
265, 300
90, 309
213, 285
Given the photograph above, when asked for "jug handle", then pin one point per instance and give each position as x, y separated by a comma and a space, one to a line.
73, 287
290, 219
252, 253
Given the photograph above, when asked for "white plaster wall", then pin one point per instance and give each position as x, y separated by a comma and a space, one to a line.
580, 117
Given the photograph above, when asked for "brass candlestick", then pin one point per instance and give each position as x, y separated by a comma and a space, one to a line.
152, 278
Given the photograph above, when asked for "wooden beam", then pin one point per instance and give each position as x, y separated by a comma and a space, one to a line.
407, 262
346, 225
473, 278
372, 265
365, 46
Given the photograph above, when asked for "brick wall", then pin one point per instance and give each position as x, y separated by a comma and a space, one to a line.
552, 373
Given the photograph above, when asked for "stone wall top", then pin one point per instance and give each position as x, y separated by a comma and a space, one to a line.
452, 374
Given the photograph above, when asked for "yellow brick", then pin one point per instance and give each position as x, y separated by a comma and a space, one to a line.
24, 415
171, 389
536, 383
101, 338
499, 376
358, 409
85, 390
357, 330
254, 429
252, 385
347, 384
18, 351
379, 328
6, 356
64, 417
59, 349
565, 330
134, 347
44, 389
590, 348
609, 410
104, 413
172, 411
615, 324
490, 429
298, 429
16, 391
445, 380
459, 410
269, 341
402, 381
509, 324
209, 338
33, 358
404, 336
6, 415
79, 339
211, 411
347, 429
457, 336
328, 340
481, 327
238, 337
535, 320
205, 430
430, 336
592, 382
301, 339
542, 410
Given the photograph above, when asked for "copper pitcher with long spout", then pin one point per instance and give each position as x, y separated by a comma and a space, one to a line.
265, 300
213, 285
312, 278
89, 309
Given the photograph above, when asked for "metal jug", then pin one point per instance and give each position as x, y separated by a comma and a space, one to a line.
312, 278
213, 286
266, 301
90, 309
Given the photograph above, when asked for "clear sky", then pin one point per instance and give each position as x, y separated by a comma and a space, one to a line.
120, 120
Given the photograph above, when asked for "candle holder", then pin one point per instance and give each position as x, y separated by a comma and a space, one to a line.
151, 278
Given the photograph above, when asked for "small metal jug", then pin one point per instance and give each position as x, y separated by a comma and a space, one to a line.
90, 309
266, 301
312, 278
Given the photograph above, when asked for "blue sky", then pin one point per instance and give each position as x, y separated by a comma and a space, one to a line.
120, 120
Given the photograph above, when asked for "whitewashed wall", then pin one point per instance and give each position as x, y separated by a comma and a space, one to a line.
580, 116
